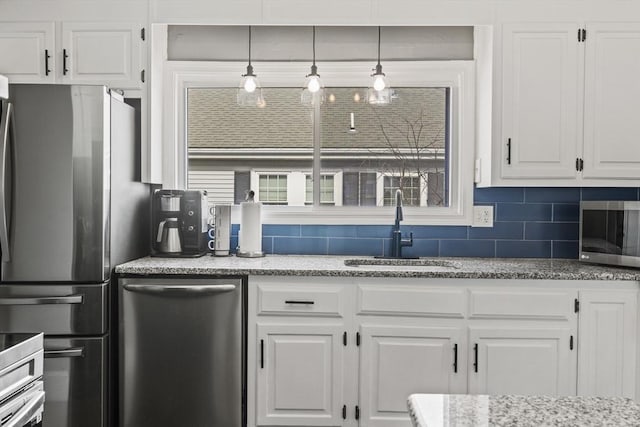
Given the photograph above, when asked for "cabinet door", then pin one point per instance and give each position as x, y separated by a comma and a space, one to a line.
612, 101
540, 101
607, 343
102, 53
522, 361
300, 375
396, 361
27, 52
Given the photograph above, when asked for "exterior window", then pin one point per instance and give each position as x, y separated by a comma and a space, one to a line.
272, 189
410, 186
326, 190
359, 189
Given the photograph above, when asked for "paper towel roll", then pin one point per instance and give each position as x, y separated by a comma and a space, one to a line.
250, 236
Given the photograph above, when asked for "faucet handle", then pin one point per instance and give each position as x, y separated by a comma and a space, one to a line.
407, 242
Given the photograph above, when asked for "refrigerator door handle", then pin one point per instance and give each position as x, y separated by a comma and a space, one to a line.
66, 352
70, 299
6, 131
186, 290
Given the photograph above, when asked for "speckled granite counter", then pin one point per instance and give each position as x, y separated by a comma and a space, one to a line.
444, 410
320, 265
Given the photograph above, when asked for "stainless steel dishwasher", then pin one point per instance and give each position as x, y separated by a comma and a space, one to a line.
182, 352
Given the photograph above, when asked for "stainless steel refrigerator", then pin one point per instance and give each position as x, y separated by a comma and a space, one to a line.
71, 208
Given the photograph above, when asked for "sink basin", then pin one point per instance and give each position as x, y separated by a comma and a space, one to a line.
401, 262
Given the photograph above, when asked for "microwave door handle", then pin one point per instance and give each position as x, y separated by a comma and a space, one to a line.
24, 415
6, 128
185, 290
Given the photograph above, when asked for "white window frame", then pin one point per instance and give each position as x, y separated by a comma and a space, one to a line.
459, 76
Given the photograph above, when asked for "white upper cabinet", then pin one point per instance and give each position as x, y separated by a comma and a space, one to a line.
569, 106
102, 52
612, 101
73, 52
540, 101
27, 51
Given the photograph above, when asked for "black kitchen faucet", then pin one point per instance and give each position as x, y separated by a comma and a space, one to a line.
397, 242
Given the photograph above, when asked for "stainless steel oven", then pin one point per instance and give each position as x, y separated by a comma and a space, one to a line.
610, 232
21, 390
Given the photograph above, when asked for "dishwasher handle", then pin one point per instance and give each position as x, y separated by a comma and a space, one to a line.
179, 289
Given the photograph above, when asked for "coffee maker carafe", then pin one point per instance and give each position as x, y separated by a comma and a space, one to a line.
180, 223
168, 238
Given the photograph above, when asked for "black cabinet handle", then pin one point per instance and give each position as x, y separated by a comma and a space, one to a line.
509, 151
46, 62
261, 354
289, 301
455, 358
475, 357
64, 62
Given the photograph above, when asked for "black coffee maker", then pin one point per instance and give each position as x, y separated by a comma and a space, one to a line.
179, 220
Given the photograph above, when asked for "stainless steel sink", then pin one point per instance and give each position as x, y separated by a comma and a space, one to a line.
422, 263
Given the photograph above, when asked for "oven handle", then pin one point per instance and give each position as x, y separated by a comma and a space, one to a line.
66, 352
26, 413
188, 290
69, 299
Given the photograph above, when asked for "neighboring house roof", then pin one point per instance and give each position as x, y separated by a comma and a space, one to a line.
215, 121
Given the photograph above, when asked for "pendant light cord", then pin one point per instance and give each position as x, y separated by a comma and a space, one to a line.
250, 45
314, 45
378, 44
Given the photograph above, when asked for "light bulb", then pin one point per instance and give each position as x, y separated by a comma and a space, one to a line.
314, 84
378, 82
250, 84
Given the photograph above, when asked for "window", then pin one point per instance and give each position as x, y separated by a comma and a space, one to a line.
422, 142
326, 190
410, 187
272, 189
359, 189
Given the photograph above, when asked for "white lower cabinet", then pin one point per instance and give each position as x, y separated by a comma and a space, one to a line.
396, 361
607, 343
522, 360
299, 381
349, 351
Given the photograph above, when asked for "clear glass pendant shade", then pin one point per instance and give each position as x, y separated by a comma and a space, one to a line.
249, 90
313, 88
379, 93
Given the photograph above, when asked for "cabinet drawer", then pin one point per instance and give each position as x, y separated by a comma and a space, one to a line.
301, 300
533, 304
411, 301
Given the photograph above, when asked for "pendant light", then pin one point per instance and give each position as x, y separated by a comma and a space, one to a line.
249, 91
312, 85
379, 92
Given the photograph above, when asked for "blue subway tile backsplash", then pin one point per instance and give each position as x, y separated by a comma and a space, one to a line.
528, 223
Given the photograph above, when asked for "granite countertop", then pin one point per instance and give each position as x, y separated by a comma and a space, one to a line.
323, 265
444, 410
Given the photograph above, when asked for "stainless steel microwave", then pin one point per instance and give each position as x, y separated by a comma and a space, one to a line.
610, 233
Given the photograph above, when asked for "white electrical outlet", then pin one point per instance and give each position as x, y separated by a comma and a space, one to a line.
482, 216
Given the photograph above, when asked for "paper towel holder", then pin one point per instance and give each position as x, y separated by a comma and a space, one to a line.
249, 197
